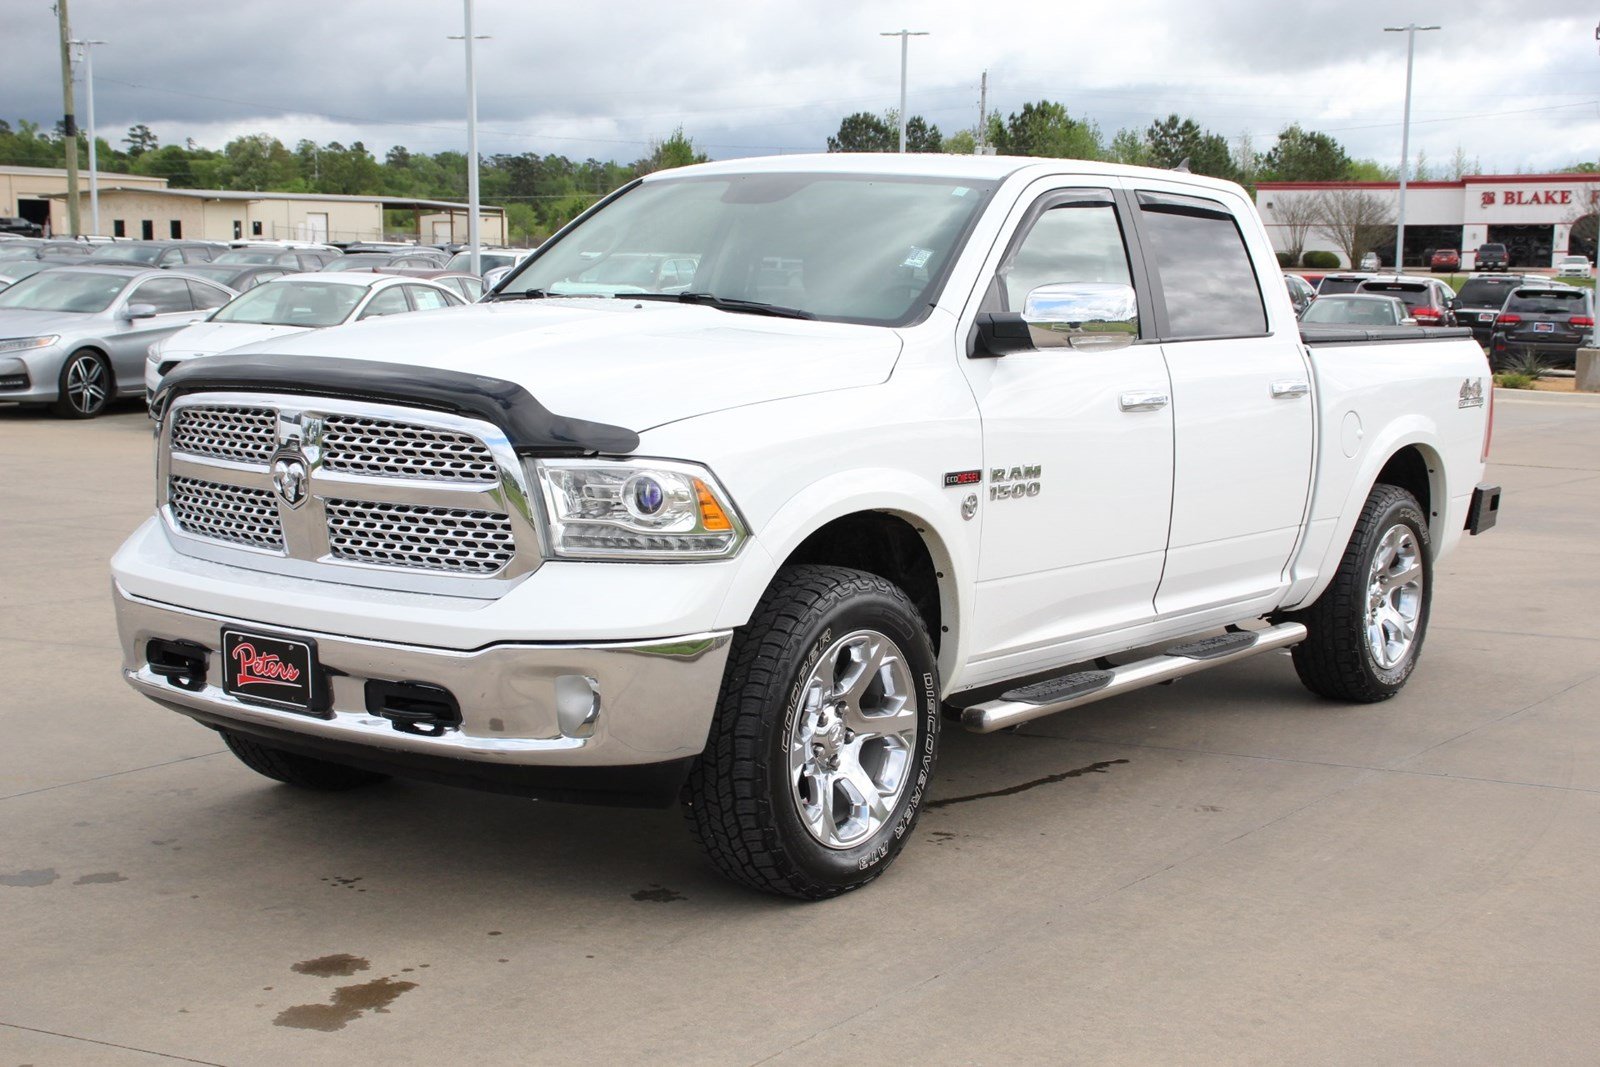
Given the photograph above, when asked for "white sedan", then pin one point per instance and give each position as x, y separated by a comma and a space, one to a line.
1573, 267
290, 305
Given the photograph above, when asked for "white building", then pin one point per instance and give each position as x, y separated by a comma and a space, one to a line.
1533, 215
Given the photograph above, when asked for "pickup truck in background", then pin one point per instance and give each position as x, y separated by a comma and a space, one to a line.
901, 442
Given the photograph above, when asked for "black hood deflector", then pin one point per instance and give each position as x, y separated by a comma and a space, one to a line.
532, 429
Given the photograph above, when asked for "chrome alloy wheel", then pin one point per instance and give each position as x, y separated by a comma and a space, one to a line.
851, 744
86, 384
1394, 596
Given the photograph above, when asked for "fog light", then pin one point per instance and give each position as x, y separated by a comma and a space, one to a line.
577, 704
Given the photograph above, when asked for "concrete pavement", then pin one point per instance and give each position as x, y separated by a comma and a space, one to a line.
1228, 870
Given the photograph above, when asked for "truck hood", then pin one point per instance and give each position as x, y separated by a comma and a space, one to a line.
637, 364
209, 338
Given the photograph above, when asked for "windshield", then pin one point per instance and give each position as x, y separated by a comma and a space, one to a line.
130, 253
248, 257
487, 261
297, 303
74, 291
1487, 292
847, 247
1548, 302
1352, 311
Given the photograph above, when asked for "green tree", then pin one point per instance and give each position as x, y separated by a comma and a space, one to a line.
1045, 129
1173, 140
140, 140
864, 132
1129, 146
675, 151
258, 161
961, 143
1305, 156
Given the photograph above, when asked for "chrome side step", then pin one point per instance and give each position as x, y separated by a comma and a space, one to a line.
1085, 687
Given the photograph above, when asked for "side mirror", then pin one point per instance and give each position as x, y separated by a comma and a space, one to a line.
1090, 316
139, 311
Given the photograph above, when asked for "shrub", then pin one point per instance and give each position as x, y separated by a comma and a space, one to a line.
1285, 259
1514, 381
1320, 260
1524, 365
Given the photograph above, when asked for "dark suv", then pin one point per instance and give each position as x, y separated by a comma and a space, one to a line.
1481, 298
1492, 257
1550, 322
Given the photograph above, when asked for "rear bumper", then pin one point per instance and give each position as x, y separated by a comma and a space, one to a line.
1484, 511
606, 722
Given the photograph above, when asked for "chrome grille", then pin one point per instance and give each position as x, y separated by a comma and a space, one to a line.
460, 540
245, 435
226, 512
385, 449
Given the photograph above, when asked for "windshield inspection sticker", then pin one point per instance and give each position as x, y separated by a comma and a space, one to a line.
918, 258
960, 190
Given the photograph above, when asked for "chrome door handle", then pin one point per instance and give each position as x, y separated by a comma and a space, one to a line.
1143, 401
1288, 390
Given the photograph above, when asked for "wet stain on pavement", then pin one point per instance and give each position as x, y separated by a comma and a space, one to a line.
344, 883
338, 965
1049, 779
43, 876
100, 878
348, 1004
659, 895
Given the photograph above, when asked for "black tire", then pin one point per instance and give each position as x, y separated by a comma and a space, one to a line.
72, 402
294, 769
1337, 660
740, 800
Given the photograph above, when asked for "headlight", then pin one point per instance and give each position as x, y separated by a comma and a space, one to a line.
24, 344
646, 509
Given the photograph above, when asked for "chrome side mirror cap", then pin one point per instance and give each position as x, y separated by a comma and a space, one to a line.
1089, 316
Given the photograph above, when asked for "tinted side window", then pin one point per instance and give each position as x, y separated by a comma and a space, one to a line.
166, 295
1206, 277
207, 297
1076, 241
391, 301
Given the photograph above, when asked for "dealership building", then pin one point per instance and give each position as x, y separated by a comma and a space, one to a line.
1538, 217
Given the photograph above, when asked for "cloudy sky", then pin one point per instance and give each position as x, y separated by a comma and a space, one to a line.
1515, 85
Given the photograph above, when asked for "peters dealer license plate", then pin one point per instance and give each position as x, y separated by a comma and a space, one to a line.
270, 669
1544, 327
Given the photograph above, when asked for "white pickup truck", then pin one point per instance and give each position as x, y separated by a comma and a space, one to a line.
761, 471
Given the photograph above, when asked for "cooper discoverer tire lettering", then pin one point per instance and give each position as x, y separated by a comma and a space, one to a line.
825, 736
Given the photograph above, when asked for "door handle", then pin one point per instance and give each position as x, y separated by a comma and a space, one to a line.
1289, 390
1143, 400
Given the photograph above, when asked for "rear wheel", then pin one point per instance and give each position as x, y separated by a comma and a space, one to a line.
295, 769
1365, 631
85, 386
825, 736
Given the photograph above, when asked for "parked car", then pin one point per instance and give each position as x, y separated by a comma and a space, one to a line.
1342, 282
1359, 309
157, 253
1482, 296
76, 336
416, 255
1574, 267
1430, 301
489, 259
468, 285
52, 250
14, 270
1370, 262
1491, 257
291, 305
1444, 260
1301, 293
20, 226
296, 259
428, 260
237, 276
1547, 322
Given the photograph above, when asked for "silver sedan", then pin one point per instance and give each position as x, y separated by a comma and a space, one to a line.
76, 337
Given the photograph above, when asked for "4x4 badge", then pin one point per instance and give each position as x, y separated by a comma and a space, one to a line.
1471, 394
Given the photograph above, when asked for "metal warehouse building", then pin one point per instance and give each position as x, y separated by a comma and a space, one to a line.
1538, 217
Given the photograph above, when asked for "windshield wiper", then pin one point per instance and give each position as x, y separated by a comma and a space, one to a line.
521, 294
724, 303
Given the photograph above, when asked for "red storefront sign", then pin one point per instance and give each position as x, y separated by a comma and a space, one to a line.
1522, 198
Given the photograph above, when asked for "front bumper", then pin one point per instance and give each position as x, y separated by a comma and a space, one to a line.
518, 731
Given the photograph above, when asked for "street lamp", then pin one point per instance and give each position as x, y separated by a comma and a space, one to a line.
905, 37
1410, 30
472, 138
86, 51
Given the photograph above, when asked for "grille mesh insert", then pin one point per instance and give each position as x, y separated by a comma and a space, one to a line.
245, 435
387, 449
459, 540
226, 512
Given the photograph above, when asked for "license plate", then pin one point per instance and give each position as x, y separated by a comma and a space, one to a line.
1544, 327
274, 670
1487, 316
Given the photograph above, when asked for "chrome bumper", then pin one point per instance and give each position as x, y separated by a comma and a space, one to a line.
655, 698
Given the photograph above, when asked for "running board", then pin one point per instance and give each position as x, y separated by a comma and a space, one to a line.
1085, 687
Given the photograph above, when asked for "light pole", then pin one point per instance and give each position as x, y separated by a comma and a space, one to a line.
472, 138
86, 50
905, 38
1410, 30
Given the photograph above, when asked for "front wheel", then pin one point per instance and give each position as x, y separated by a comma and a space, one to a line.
1365, 631
825, 737
86, 386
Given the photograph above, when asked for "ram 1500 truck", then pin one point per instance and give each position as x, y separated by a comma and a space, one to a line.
759, 472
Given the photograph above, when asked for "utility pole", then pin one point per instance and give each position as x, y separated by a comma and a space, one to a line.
1410, 31
472, 140
905, 38
71, 122
86, 49
983, 113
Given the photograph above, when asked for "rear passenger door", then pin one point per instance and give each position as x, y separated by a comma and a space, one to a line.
1243, 420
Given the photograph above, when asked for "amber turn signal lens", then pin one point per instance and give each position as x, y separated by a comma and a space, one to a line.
712, 517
